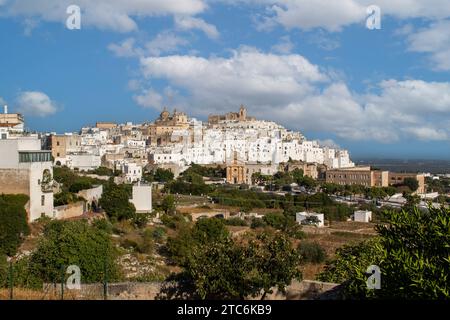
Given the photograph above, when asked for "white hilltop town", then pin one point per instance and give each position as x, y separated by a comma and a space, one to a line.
239, 144
176, 141
235, 141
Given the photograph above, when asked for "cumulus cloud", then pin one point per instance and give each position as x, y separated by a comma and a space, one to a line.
149, 98
434, 40
284, 46
116, 15
191, 23
164, 42
126, 49
35, 103
335, 15
290, 89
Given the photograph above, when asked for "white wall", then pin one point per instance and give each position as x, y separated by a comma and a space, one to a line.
142, 198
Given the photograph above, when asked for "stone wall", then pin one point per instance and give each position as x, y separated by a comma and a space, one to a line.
304, 290
69, 211
14, 181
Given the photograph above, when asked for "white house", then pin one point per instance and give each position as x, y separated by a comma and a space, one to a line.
132, 171
300, 217
363, 216
26, 169
142, 198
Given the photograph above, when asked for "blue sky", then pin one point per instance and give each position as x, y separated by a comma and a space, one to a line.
310, 65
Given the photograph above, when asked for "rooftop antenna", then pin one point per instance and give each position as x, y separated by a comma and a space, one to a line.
5, 108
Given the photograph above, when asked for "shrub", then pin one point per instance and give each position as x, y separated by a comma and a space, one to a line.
13, 223
115, 201
158, 234
236, 222
66, 243
311, 252
257, 223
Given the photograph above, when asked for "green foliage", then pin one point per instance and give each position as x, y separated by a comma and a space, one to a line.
13, 223
104, 171
337, 212
64, 198
174, 221
275, 220
412, 251
67, 243
82, 183
311, 252
147, 244
244, 198
297, 175
209, 230
257, 223
180, 247
411, 183
140, 219
236, 222
181, 187
204, 171
115, 202
349, 267
163, 175
159, 234
168, 204
416, 257
227, 269
71, 182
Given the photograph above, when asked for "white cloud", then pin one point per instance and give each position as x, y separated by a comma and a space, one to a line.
335, 15
165, 42
149, 98
116, 15
435, 40
35, 103
291, 90
126, 48
191, 23
285, 45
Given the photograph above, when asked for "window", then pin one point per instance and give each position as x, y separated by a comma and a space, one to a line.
42, 200
57, 143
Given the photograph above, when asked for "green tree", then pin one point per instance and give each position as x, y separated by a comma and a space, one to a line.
411, 183
226, 269
297, 175
311, 252
13, 223
66, 243
412, 251
115, 201
273, 262
163, 175
168, 204
209, 230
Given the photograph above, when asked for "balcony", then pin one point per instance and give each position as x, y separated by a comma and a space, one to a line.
35, 156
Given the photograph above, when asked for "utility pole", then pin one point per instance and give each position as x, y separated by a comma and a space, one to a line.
11, 281
105, 280
62, 282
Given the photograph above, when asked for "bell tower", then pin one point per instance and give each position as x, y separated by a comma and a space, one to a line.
242, 113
